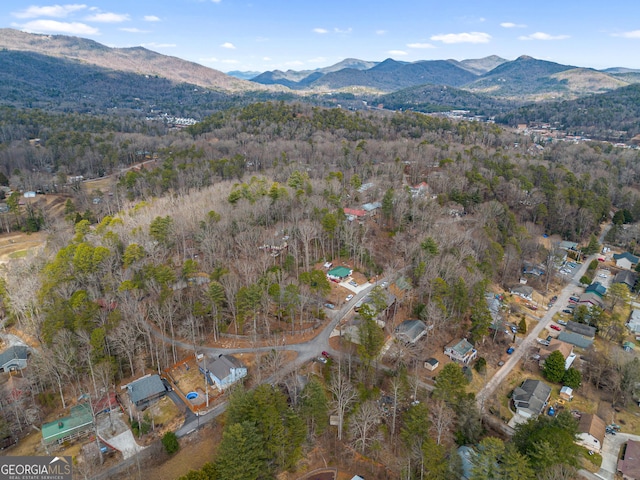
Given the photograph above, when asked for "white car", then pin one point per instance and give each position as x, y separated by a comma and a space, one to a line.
603, 275
349, 297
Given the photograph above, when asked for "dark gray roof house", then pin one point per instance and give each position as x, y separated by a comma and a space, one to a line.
14, 358
575, 339
627, 277
145, 390
410, 331
581, 329
531, 397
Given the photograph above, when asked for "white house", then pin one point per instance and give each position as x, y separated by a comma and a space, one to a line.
591, 432
634, 321
14, 358
461, 351
225, 371
625, 260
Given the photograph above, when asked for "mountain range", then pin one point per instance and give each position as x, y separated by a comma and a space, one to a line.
75, 74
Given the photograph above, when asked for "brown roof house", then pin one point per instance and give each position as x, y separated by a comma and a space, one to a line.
531, 397
629, 464
591, 432
564, 348
461, 351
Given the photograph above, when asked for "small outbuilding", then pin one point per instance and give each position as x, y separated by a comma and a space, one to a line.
431, 364
566, 393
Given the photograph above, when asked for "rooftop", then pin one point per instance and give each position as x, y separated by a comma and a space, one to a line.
221, 366
79, 417
629, 465
17, 351
340, 272
145, 387
531, 395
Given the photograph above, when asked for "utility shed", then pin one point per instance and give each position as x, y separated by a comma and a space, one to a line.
78, 423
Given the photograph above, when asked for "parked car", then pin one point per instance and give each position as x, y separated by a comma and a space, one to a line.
349, 297
322, 359
514, 329
510, 350
556, 327
330, 306
574, 299
384, 284
326, 354
353, 283
554, 298
562, 322
543, 342
566, 310
603, 275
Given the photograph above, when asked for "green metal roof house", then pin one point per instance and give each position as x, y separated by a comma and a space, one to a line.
339, 273
78, 423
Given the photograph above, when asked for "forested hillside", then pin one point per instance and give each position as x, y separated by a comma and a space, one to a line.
191, 247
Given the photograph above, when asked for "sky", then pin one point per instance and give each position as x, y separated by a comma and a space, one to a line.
261, 35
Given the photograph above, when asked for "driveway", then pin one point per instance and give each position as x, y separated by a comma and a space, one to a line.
610, 451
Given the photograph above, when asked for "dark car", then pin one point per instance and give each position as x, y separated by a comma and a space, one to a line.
566, 310
510, 350
167, 385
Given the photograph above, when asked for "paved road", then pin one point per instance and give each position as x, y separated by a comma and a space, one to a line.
531, 339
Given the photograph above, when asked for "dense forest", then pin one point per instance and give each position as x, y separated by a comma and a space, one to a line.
115, 272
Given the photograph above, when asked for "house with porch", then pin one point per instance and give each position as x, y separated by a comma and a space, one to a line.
461, 351
591, 432
338, 274
77, 424
410, 331
146, 390
14, 358
226, 370
531, 397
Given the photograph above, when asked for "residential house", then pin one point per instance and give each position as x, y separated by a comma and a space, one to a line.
531, 397
634, 321
629, 464
410, 331
225, 371
354, 214
627, 277
575, 339
14, 358
419, 190
146, 390
625, 260
461, 351
590, 299
523, 291
77, 424
581, 329
564, 348
387, 312
597, 288
467, 457
431, 364
568, 246
531, 269
495, 307
591, 432
371, 208
338, 274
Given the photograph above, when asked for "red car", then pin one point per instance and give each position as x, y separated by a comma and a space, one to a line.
326, 354
556, 327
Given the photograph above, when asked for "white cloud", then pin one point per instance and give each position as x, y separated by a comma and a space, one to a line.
542, 36
54, 26
266, 59
108, 17
631, 34
320, 30
397, 52
338, 30
228, 45
230, 61
381, 32
512, 25
153, 45
420, 45
133, 30
56, 11
151, 18
317, 60
465, 37
216, 1
208, 60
